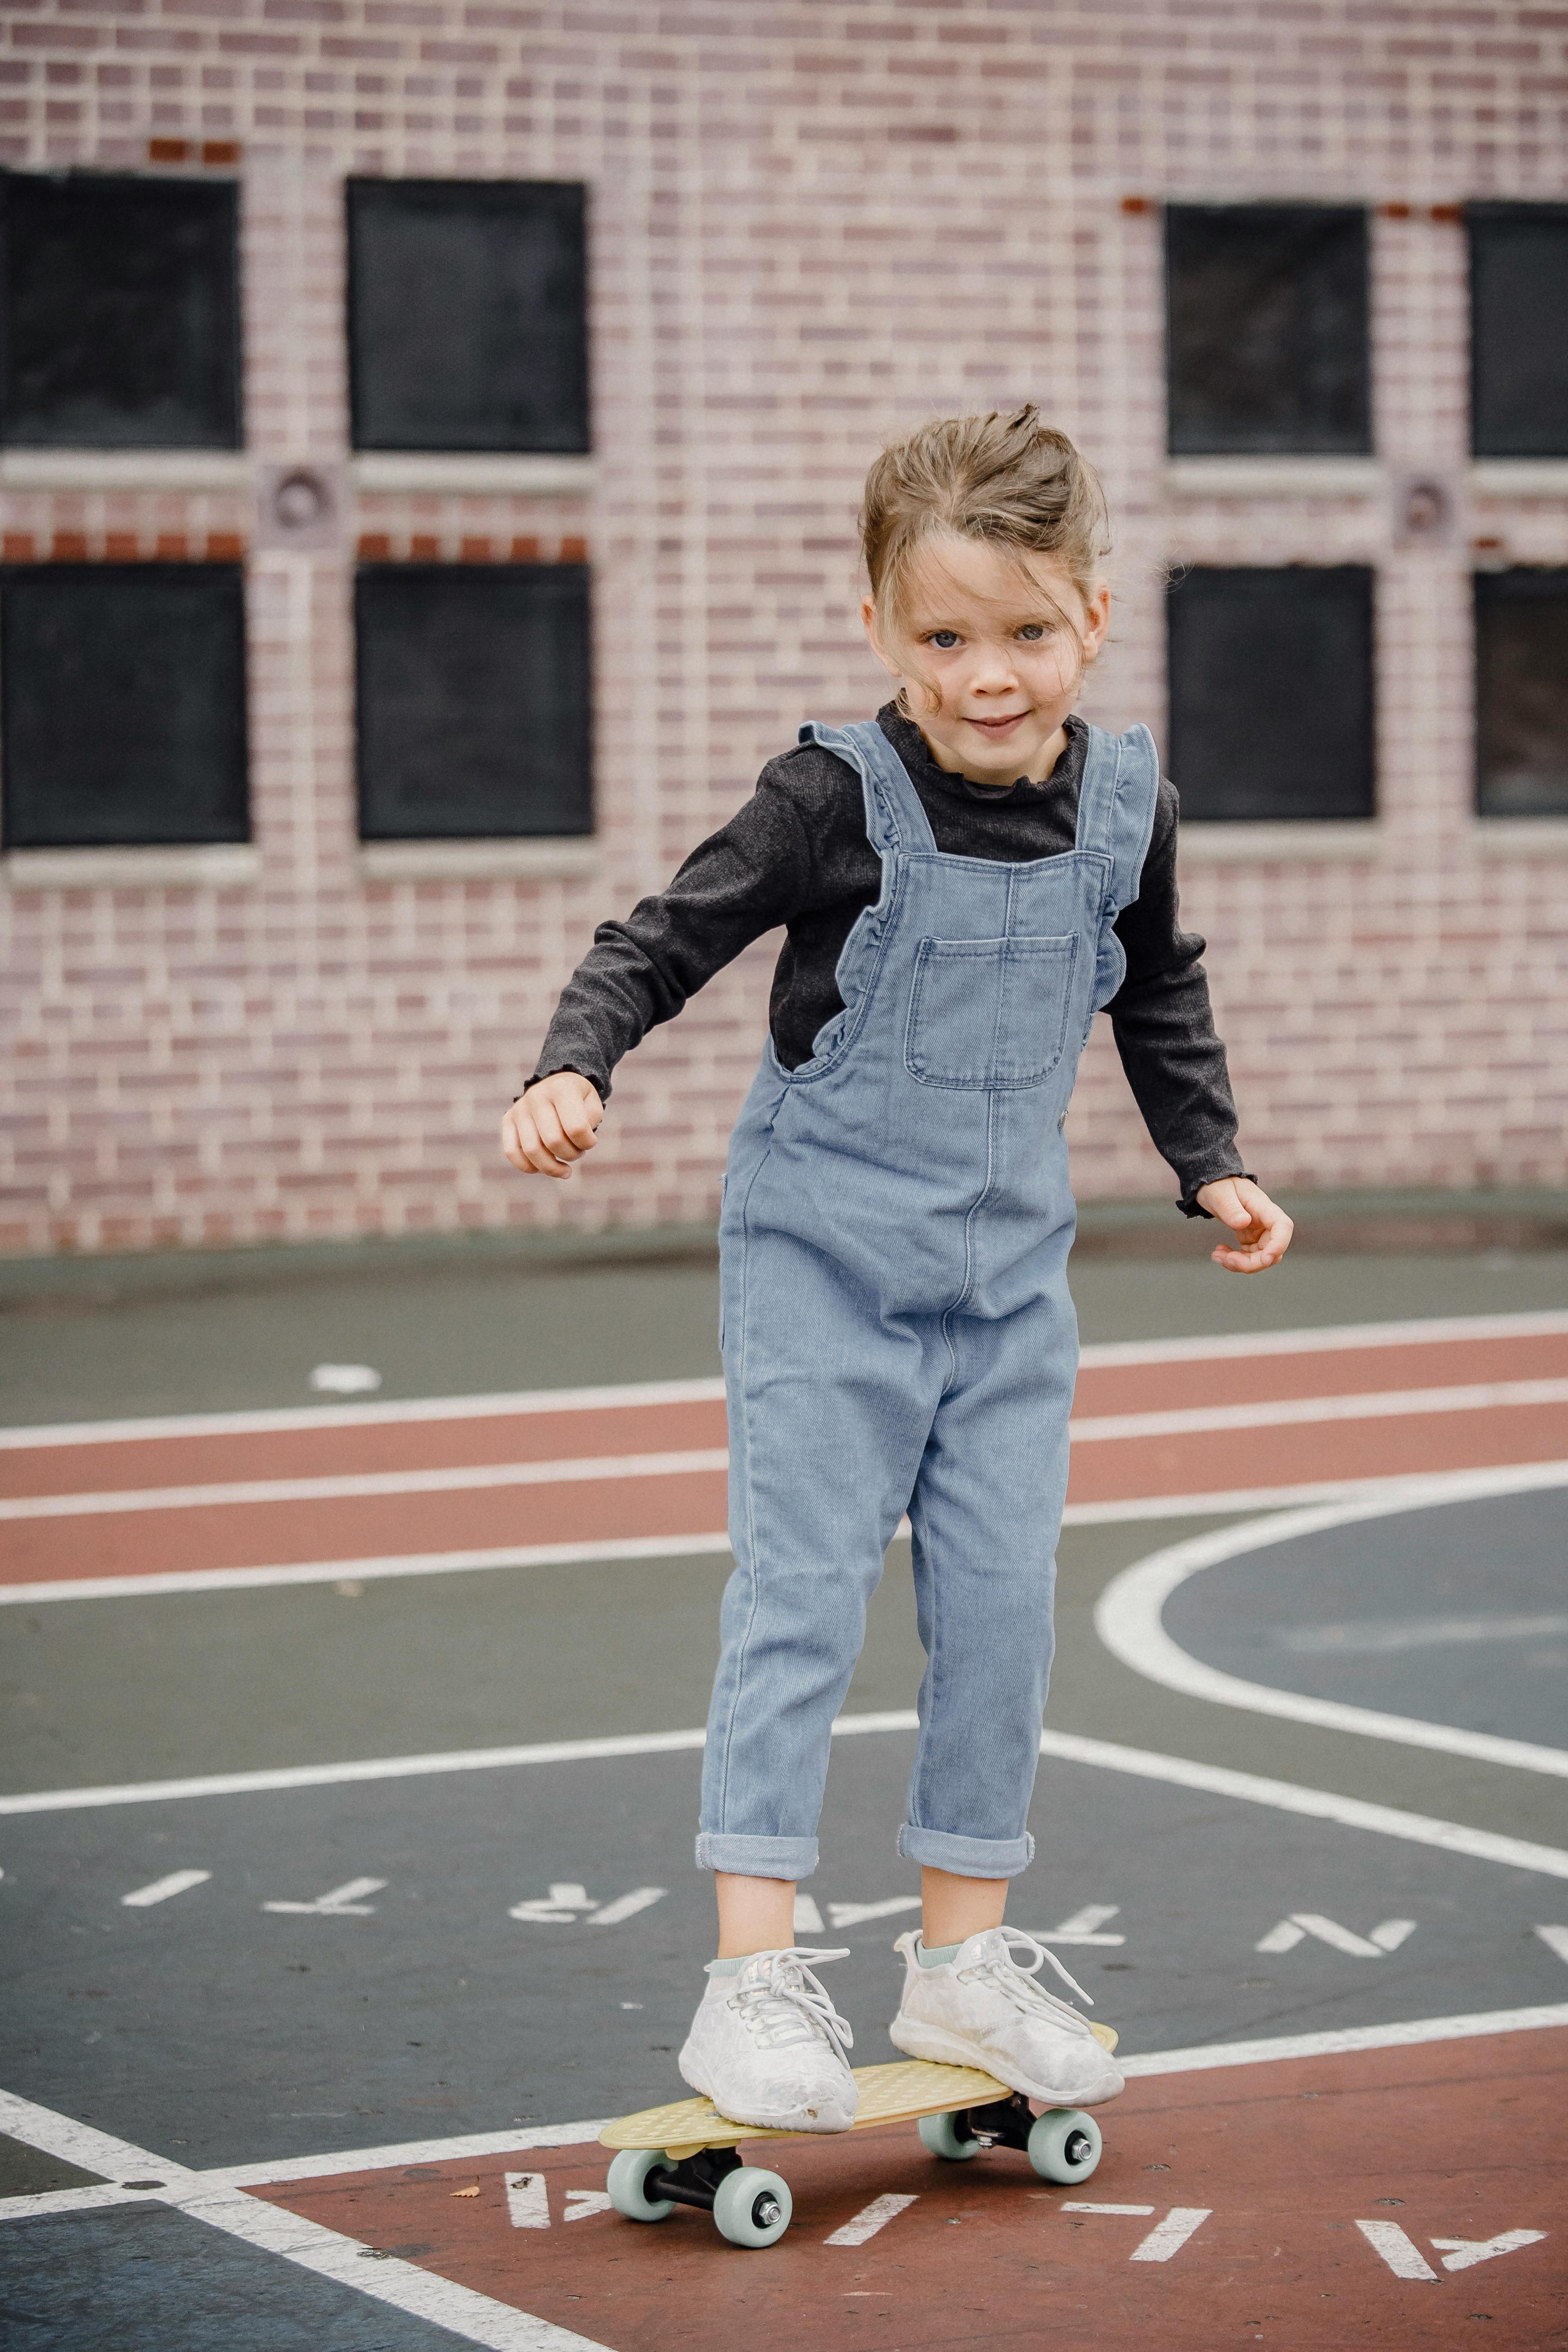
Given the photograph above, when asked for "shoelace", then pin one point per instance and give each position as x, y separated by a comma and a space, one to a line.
1017, 1984
789, 2005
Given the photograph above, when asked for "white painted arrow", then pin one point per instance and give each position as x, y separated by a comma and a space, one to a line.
581, 2202
1463, 2253
566, 1899
1555, 1939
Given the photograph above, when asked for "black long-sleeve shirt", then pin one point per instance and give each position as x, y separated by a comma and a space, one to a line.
797, 855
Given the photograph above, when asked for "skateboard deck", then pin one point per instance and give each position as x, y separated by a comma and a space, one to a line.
899, 2094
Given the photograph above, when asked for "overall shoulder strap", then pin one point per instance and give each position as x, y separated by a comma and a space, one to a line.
1116, 805
894, 817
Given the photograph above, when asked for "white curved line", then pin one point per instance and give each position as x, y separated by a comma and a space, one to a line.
1130, 1616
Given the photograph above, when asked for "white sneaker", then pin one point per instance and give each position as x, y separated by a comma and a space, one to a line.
767, 2046
981, 2009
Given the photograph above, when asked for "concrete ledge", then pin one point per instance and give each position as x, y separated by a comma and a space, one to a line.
1248, 478
480, 472
179, 864
1299, 842
1519, 837
1519, 477
125, 469
478, 861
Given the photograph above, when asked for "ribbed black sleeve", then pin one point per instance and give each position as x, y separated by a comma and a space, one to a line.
796, 854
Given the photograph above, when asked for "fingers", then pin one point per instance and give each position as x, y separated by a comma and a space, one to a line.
1262, 1239
552, 1124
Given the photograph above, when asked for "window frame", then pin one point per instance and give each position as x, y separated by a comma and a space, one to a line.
1362, 446
361, 189
1479, 216
229, 354
1306, 823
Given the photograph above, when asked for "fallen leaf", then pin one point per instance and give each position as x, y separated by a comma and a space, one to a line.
472, 2192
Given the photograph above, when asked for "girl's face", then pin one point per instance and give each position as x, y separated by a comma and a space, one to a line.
990, 652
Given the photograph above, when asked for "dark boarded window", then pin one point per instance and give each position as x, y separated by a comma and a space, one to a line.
1518, 330
1522, 693
119, 313
468, 314
122, 704
473, 700
1267, 330
1271, 693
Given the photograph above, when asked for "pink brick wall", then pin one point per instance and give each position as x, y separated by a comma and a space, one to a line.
812, 224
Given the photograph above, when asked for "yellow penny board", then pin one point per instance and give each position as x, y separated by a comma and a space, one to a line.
899, 2094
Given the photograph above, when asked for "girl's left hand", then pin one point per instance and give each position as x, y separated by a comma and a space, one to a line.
1262, 1230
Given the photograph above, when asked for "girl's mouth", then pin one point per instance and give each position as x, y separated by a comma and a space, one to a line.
999, 727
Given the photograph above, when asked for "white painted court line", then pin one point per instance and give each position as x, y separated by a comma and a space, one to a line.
474, 1478
1318, 1805
365, 1571
1129, 1617
95, 2151
1412, 2033
366, 1416
476, 2318
610, 1550
1119, 1428
1311, 1339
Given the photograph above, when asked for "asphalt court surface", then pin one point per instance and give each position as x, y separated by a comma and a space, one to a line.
425, 2009
1460, 1615
400, 2007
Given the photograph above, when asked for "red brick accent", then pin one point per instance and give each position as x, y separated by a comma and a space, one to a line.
424, 548
573, 550
375, 547
525, 551
121, 547
173, 546
18, 547
168, 151
68, 547
224, 547
475, 551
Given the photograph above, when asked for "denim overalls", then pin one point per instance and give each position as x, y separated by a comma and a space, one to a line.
897, 1328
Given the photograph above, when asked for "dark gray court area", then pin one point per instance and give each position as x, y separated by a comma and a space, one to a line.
1458, 1615
144, 2275
211, 2029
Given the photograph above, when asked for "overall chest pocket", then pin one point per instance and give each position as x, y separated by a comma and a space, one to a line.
989, 1013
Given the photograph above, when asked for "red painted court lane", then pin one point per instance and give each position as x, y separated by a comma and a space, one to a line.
515, 1473
1450, 2140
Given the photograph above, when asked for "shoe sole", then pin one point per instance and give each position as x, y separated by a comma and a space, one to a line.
949, 2050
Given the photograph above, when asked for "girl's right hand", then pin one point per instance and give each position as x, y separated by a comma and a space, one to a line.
552, 1124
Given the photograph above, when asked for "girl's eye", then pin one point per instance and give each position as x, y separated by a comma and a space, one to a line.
1032, 631
943, 639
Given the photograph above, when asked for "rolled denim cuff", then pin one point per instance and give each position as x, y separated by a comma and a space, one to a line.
757, 1857
967, 1857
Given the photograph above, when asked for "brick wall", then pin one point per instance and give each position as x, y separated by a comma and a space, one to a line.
812, 222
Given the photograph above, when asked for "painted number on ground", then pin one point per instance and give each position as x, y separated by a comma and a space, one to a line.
1387, 1937
1406, 2261
1165, 2239
567, 1901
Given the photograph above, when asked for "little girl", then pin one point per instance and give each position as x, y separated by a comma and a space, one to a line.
962, 882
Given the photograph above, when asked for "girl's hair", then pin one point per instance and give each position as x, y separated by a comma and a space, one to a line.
1012, 482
